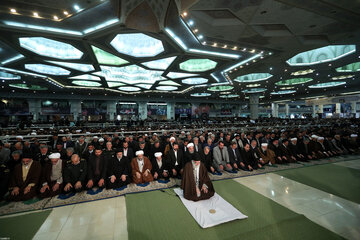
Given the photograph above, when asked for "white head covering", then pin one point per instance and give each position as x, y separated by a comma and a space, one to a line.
101, 140
54, 155
353, 135
314, 136
172, 138
140, 152
293, 139
33, 133
190, 145
264, 144
21, 137
87, 132
320, 138
78, 131
95, 137
158, 154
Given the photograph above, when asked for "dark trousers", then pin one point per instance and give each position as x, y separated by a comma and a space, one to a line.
49, 192
21, 196
118, 183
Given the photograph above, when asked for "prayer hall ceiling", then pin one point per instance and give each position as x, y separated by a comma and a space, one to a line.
194, 49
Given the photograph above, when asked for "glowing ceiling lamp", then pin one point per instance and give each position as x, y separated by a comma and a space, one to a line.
352, 67
180, 75
77, 66
86, 83
166, 88
50, 48
254, 90
327, 85
169, 82
161, 64
8, 76
229, 96
302, 72
220, 88
47, 69
86, 77
194, 81
104, 57
115, 84
321, 55
129, 89
293, 81
137, 45
132, 74
283, 92
253, 77
200, 94
197, 65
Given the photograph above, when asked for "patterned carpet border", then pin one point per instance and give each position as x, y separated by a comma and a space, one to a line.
17, 207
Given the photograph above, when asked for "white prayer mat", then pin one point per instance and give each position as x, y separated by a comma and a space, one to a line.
212, 211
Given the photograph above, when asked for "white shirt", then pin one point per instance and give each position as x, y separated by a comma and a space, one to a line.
140, 164
159, 162
125, 152
175, 153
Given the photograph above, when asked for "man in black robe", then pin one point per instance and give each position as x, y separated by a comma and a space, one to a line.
195, 182
118, 171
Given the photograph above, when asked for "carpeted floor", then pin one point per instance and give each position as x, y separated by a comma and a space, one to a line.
23, 226
337, 180
169, 219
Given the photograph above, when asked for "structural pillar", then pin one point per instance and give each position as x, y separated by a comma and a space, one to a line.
275, 110
111, 109
35, 108
75, 109
313, 110
254, 106
338, 108
170, 111
142, 106
353, 108
321, 108
287, 110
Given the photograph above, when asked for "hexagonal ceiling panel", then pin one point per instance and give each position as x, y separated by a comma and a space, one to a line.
47, 69
50, 48
137, 45
197, 65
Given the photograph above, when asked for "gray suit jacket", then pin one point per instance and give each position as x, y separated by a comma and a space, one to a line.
217, 155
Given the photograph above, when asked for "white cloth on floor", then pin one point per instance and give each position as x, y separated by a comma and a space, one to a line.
200, 210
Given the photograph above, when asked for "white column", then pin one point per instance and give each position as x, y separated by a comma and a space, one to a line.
111, 109
338, 108
35, 108
75, 109
353, 107
275, 110
254, 106
321, 108
313, 110
170, 111
287, 112
142, 110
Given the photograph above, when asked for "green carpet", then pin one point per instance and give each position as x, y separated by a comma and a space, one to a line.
23, 226
340, 181
169, 219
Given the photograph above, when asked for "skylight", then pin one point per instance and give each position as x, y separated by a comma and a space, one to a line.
77, 66
194, 81
253, 77
47, 69
293, 81
197, 65
161, 64
327, 84
86, 83
352, 67
220, 88
254, 90
104, 57
200, 94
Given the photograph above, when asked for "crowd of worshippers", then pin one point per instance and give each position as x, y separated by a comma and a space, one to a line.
65, 165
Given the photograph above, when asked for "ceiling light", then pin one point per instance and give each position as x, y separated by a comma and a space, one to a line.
66, 13
235, 48
185, 14
201, 37
191, 22
13, 10
56, 18
225, 46
36, 14
196, 30
76, 7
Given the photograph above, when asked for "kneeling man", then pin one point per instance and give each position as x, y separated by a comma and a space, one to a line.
52, 177
196, 183
118, 171
141, 168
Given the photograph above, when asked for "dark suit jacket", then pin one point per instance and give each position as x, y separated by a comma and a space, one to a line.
232, 156
118, 168
130, 153
171, 160
92, 167
155, 167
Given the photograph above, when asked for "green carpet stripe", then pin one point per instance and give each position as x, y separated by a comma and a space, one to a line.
160, 215
22, 227
331, 178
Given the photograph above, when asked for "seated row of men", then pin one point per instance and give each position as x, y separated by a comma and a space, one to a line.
63, 171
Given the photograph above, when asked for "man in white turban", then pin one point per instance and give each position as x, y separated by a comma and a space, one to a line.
141, 168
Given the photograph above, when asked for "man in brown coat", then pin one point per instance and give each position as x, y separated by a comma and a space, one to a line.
25, 179
141, 168
267, 155
195, 182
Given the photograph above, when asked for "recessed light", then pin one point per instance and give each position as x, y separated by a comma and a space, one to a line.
76, 7
56, 18
13, 10
225, 46
191, 22
35, 14
196, 30
185, 14
66, 13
